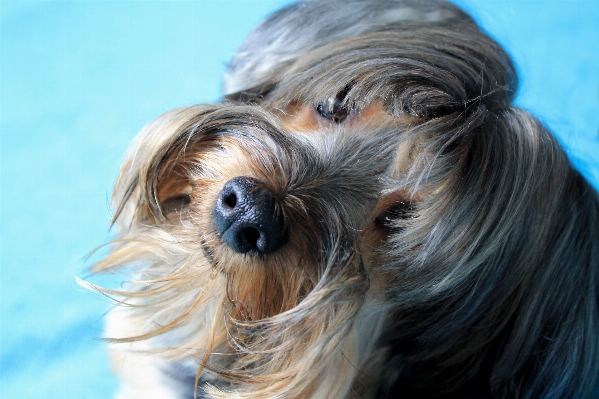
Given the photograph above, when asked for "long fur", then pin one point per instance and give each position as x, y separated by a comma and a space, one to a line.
440, 244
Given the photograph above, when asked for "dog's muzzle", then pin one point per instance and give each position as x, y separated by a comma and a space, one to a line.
247, 218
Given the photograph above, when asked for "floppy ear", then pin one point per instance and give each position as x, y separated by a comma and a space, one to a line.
552, 349
154, 178
512, 252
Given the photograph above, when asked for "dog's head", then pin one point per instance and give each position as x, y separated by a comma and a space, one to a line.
365, 200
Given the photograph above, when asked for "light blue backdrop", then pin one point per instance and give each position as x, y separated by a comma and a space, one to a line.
80, 78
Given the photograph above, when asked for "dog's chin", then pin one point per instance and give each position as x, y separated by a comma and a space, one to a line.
260, 286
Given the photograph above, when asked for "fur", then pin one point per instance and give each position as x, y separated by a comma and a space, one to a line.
437, 241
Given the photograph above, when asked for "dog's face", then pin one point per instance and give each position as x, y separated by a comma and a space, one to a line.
279, 199
365, 202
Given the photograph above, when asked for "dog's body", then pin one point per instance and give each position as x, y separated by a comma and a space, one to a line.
365, 215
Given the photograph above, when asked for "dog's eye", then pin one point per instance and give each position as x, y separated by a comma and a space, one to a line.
337, 112
333, 109
175, 204
399, 211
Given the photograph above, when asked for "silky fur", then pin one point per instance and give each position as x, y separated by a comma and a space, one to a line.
440, 244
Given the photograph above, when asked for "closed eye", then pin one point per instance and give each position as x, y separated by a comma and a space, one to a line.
334, 109
175, 204
398, 211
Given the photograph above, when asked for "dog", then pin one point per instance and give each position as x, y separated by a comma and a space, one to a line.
365, 214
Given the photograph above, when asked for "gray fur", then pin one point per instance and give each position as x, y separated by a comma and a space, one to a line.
307, 25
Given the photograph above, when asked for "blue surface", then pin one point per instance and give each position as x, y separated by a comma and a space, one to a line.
79, 79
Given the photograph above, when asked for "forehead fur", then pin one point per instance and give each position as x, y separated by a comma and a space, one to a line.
418, 58
307, 25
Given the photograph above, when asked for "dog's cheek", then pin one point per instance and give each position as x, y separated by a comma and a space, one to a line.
394, 213
374, 253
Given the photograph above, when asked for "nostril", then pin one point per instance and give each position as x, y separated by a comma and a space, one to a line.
252, 236
230, 200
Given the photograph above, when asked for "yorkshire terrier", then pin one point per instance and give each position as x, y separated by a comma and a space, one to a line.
365, 214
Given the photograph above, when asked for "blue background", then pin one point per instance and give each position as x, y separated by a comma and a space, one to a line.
80, 78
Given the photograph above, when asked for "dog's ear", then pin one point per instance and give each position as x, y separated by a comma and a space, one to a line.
555, 219
154, 177
512, 215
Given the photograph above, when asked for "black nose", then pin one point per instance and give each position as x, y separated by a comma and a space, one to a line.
247, 218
